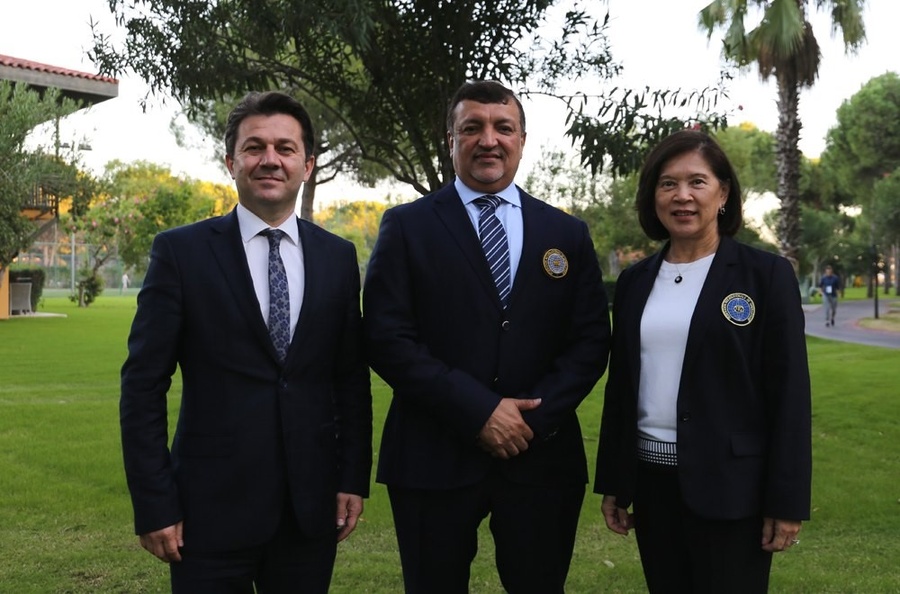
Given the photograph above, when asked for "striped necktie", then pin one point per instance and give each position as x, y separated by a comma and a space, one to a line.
279, 322
494, 244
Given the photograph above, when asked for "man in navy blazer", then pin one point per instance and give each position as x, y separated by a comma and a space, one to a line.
482, 420
271, 456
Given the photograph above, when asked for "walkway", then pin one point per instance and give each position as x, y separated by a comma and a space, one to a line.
846, 327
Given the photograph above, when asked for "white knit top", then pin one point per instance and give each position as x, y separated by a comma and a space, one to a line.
664, 331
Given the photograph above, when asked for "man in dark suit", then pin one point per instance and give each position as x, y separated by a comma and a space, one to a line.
271, 456
488, 359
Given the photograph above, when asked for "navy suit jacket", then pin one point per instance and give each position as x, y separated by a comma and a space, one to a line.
251, 432
437, 333
743, 411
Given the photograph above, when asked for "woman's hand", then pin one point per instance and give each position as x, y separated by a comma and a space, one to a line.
779, 535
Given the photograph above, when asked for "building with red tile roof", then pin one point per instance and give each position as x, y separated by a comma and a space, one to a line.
86, 89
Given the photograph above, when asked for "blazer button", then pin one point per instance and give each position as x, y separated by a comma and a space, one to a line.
505, 325
686, 417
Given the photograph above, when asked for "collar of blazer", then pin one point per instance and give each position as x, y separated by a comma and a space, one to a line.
449, 208
228, 251
709, 303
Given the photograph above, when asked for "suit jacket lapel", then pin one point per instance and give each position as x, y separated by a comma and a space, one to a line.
532, 231
450, 210
642, 284
227, 250
709, 304
313, 268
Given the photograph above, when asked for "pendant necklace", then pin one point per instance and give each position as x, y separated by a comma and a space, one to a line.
679, 277
687, 266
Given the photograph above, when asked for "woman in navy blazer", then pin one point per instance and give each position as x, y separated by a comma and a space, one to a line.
706, 427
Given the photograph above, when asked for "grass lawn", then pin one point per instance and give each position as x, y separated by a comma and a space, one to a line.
65, 516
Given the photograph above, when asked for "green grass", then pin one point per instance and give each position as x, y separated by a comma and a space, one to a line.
65, 516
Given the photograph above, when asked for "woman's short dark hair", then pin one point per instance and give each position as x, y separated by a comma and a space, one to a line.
268, 103
483, 91
675, 145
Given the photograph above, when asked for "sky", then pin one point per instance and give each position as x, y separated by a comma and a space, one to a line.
657, 41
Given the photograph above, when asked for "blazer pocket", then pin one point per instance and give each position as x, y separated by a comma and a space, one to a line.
748, 444
206, 446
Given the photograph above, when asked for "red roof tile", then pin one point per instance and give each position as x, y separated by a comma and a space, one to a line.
12, 62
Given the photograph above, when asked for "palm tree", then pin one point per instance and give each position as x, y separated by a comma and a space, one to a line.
783, 46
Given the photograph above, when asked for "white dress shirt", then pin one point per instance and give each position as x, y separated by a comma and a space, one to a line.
510, 214
256, 247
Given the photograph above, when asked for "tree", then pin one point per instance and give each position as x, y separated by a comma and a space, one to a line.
864, 145
823, 231
783, 46
129, 206
862, 156
886, 216
384, 68
141, 199
22, 170
336, 152
606, 204
752, 154
358, 222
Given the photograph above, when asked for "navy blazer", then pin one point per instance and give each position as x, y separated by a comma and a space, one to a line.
251, 431
744, 412
438, 334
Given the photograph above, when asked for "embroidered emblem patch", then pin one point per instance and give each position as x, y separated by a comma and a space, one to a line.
555, 263
738, 309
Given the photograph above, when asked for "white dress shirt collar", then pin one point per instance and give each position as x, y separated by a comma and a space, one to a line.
251, 225
509, 194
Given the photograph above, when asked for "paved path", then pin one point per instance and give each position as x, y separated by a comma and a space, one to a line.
846, 327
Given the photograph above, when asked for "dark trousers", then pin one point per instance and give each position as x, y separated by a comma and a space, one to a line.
533, 528
831, 302
288, 564
683, 553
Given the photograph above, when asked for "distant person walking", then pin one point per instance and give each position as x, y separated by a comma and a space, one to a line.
124, 282
830, 285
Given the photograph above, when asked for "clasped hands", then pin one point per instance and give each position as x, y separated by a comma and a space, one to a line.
506, 434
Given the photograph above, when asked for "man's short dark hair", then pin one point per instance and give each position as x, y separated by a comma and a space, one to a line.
675, 145
268, 103
483, 91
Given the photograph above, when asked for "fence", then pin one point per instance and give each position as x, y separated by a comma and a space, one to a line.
55, 258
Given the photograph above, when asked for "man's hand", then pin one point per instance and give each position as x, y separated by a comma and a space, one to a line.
506, 434
163, 544
779, 535
349, 509
617, 519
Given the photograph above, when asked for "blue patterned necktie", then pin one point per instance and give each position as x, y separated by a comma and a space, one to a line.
494, 243
279, 298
